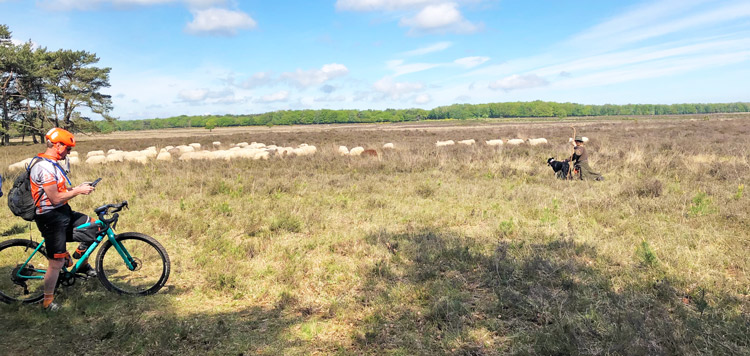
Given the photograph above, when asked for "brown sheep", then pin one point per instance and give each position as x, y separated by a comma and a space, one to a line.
370, 153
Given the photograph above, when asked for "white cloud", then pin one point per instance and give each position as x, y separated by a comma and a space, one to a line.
658, 19
471, 62
400, 68
65, 5
275, 97
634, 46
140, 2
258, 79
306, 78
443, 17
657, 69
199, 4
218, 21
85, 5
207, 96
518, 82
396, 90
330, 99
422, 99
193, 95
437, 47
382, 5
423, 16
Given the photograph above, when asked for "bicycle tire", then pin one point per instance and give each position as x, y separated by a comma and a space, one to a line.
149, 253
13, 253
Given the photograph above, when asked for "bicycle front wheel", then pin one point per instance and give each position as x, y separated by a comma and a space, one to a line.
16, 282
149, 258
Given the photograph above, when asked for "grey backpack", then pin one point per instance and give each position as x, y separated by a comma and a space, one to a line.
20, 201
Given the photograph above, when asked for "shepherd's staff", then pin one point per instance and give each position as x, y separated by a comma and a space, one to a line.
570, 169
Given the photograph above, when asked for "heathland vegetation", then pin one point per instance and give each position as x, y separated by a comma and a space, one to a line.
467, 250
534, 109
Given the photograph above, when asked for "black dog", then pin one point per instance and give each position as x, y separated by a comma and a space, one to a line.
561, 168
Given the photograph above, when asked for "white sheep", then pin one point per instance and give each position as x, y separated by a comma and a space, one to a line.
494, 142
467, 142
242, 144
115, 157
195, 146
163, 155
444, 143
194, 155
135, 156
73, 154
222, 154
74, 160
149, 152
356, 151
515, 141
307, 150
537, 141
138, 158
262, 155
247, 153
184, 149
216, 144
96, 159
95, 153
388, 146
343, 151
111, 150
284, 151
19, 165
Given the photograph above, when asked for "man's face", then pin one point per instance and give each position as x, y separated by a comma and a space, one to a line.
63, 150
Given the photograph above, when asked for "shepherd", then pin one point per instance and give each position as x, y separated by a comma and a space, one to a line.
580, 160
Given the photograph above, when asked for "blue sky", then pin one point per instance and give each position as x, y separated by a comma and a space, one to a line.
194, 57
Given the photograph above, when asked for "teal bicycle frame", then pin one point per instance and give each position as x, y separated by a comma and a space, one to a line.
99, 238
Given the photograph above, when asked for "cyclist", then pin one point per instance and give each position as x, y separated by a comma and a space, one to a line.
54, 217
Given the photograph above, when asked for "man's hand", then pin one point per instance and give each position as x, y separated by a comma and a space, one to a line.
84, 189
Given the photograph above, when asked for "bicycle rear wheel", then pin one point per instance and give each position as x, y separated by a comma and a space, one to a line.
151, 262
13, 254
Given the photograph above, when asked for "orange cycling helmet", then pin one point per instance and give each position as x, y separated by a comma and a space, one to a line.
58, 135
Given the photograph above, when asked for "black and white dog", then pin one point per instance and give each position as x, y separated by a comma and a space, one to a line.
561, 168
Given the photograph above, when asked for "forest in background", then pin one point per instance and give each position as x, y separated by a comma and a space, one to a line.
456, 112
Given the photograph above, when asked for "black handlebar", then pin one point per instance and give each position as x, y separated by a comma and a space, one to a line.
105, 210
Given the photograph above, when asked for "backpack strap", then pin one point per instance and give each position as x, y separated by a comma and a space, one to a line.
34, 161
58, 167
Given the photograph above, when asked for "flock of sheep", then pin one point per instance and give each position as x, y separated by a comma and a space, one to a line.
359, 150
498, 142
189, 152
243, 150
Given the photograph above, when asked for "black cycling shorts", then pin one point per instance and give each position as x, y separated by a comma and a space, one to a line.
57, 227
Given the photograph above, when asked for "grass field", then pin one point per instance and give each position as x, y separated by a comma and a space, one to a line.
457, 250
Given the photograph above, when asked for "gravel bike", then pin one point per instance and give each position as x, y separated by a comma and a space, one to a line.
127, 263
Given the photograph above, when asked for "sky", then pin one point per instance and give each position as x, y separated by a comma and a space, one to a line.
200, 57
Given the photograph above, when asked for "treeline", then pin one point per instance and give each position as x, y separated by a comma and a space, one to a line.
457, 111
41, 89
